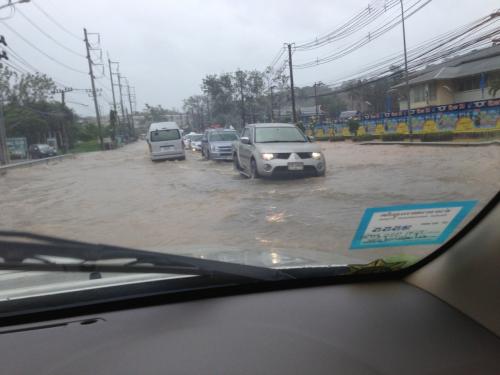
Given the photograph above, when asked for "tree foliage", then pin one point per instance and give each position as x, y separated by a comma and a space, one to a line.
229, 99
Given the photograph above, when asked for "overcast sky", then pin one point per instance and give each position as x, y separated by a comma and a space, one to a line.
166, 47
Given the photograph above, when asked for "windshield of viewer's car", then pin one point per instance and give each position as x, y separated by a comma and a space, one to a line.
222, 136
165, 135
278, 134
327, 139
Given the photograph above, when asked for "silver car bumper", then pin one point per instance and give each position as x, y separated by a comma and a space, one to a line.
221, 156
167, 155
274, 167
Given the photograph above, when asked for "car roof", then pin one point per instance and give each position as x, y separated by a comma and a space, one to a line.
271, 125
163, 125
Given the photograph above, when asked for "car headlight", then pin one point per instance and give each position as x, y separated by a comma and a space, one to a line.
268, 156
316, 155
213, 148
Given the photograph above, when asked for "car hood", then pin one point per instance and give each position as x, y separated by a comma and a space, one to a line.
280, 147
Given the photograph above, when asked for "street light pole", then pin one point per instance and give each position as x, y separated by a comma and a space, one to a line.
408, 99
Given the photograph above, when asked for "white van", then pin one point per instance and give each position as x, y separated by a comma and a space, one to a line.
165, 141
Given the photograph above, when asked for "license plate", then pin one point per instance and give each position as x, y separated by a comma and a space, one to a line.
295, 166
165, 148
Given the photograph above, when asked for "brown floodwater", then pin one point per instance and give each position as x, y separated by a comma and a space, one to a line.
120, 197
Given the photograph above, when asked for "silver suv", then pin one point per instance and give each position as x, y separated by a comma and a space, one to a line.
277, 149
217, 144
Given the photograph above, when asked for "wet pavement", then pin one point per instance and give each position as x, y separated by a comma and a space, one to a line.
120, 197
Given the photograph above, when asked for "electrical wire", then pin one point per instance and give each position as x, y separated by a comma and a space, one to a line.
21, 61
42, 52
15, 67
12, 12
365, 40
50, 36
353, 25
423, 48
55, 22
456, 50
277, 58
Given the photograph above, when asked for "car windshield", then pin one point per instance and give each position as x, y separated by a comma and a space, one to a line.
165, 135
278, 134
222, 136
269, 135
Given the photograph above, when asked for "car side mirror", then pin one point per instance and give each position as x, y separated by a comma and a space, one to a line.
245, 140
311, 138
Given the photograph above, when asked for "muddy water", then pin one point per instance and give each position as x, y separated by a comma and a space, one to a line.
121, 197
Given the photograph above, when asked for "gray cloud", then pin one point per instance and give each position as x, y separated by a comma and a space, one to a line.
166, 47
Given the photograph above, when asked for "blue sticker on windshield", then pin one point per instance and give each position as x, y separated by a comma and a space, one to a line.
412, 224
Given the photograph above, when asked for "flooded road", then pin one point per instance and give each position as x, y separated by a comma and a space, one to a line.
121, 197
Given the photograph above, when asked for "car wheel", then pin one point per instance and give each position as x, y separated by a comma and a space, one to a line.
182, 158
321, 173
253, 170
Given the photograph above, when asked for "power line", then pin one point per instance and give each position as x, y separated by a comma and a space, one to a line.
55, 22
22, 61
50, 36
15, 67
277, 58
42, 52
363, 41
418, 62
356, 23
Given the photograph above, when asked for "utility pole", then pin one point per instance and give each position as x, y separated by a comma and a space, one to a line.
316, 85
131, 110
243, 114
64, 128
408, 99
94, 94
290, 64
121, 96
112, 85
208, 109
4, 152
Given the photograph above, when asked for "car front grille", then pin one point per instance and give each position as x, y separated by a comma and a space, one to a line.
305, 155
283, 155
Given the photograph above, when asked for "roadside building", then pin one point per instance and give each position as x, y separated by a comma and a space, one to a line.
465, 78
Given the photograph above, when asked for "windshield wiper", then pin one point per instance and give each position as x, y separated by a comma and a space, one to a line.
32, 252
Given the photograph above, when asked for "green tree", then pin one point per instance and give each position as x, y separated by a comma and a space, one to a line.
332, 105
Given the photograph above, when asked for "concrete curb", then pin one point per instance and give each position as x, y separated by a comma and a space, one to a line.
29, 163
435, 144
